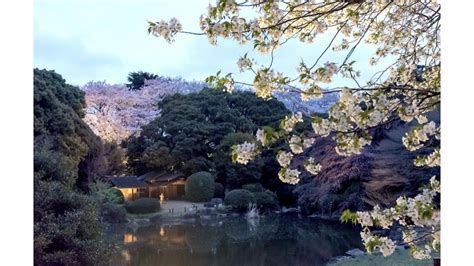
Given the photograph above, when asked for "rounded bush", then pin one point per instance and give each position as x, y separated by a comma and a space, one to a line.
255, 187
219, 190
113, 214
143, 205
114, 195
266, 200
239, 199
199, 187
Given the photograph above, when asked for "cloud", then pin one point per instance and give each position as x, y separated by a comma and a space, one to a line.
70, 57
97, 40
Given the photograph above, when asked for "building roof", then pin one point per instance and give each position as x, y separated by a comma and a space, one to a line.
161, 176
127, 182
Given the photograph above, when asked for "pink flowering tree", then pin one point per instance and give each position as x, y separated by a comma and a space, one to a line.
403, 32
114, 112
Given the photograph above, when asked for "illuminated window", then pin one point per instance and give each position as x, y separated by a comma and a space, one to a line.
129, 238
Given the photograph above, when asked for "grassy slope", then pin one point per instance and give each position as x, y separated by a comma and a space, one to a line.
399, 258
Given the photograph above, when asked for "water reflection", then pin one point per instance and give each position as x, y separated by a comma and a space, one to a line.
269, 240
129, 238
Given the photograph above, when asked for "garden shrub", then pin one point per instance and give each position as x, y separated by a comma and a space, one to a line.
219, 190
113, 214
102, 192
143, 205
239, 199
266, 201
255, 187
114, 195
329, 203
200, 187
67, 227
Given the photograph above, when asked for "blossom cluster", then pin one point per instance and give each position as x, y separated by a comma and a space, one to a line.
431, 160
421, 253
244, 63
244, 153
321, 126
284, 158
165, 29
266, 81
296, 145
290, 176
415, 138
385, 245
229, 86
289, 123
351, 143
417, 213
312, 167
313, 92
325, 74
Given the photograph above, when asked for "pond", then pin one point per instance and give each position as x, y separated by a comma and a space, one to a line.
270, 240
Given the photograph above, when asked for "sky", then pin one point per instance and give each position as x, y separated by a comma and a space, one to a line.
85, 40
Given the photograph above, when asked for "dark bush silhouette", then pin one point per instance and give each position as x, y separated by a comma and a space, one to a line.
266, 201
113, 214
143, 205
255, 187
137, 79
200, 187
219, 191
239, 199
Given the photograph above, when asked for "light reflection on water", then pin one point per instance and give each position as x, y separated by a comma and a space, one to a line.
272, 240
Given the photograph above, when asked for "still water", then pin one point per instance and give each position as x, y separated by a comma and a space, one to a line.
270, 240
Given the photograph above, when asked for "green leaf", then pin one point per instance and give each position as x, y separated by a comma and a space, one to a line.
370, 246
347, 216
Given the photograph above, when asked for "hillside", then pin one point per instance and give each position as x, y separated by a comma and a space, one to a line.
383, 172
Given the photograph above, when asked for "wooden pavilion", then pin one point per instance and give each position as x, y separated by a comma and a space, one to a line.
151, 184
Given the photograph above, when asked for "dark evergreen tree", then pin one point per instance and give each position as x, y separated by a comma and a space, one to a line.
137, 79
195, 131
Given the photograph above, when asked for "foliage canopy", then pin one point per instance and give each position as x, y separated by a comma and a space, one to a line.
67, 157
195, 131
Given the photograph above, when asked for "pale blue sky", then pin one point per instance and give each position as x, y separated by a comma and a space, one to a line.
86, 40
